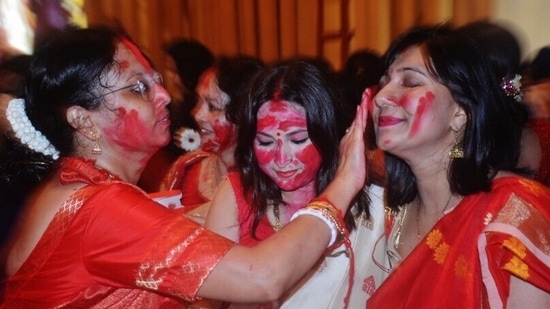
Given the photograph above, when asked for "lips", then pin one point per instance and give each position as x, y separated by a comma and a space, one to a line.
384, 121
286, 174
165, 119
205, 131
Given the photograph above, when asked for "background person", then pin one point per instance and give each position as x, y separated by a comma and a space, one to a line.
197, 174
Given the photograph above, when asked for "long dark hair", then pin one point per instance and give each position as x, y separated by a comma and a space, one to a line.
303, 82
492, 132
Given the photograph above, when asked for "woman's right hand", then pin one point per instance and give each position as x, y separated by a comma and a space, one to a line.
352, 170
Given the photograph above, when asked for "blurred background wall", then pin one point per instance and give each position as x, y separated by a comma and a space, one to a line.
271, 29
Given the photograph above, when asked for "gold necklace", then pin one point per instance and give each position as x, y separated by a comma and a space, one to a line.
276, 213
418, 213
397, 239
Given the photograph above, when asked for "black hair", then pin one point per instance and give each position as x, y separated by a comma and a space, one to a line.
234, 75
66, 69
191, 58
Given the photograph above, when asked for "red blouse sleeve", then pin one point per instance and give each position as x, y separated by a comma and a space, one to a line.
130, 240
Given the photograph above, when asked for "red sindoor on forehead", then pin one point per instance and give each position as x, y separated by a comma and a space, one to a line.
138, 54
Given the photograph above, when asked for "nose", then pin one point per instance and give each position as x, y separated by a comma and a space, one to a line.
281, 157
384, 99
161, 92
199, 110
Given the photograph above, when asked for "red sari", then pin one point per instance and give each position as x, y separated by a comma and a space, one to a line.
246, 217
468, 257
184, 175
110, 245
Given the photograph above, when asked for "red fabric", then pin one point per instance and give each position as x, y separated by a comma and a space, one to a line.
246, 218
184, 175
110, 245
467, 259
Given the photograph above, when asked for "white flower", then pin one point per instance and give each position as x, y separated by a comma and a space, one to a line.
25, 131
187, 139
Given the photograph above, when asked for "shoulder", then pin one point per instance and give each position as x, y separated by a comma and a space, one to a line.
509, 182
175, 174
192, 157
522, 191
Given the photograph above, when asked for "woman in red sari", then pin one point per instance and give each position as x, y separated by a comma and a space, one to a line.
468, 232
93, 115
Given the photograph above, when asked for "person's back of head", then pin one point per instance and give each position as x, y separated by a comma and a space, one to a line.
234, 75
191, 58
363, 68
540, 65
500, 44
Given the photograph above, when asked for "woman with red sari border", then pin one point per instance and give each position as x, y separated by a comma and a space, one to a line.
466, 232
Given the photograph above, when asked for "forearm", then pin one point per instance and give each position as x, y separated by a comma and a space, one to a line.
263, 273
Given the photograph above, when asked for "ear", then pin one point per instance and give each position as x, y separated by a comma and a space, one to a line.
79, 118
459, 120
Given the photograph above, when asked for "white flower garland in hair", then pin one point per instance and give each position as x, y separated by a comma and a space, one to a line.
187, 139
25, 131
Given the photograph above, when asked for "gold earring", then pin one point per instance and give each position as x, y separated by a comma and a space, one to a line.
457, 152
97, 147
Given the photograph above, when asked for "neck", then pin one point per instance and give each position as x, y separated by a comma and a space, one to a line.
433, 188
296, 199
127, 170
227, 157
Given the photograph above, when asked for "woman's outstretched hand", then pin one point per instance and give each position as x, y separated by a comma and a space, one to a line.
352, 170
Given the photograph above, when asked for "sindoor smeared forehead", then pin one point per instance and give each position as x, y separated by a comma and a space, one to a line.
138, 54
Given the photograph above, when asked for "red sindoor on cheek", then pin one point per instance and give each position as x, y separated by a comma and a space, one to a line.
128, 130
264, 157
425, 103
224, 133
311, 160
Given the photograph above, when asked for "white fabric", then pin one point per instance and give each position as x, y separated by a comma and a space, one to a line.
327, 284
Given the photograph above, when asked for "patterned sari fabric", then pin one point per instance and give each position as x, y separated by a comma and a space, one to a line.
469, 256
110, 245
326, 285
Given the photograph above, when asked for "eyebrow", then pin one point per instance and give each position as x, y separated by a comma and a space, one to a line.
291, 133
412, 69
132, 75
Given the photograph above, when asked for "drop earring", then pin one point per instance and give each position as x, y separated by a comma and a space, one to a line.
457, 152
97, 147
